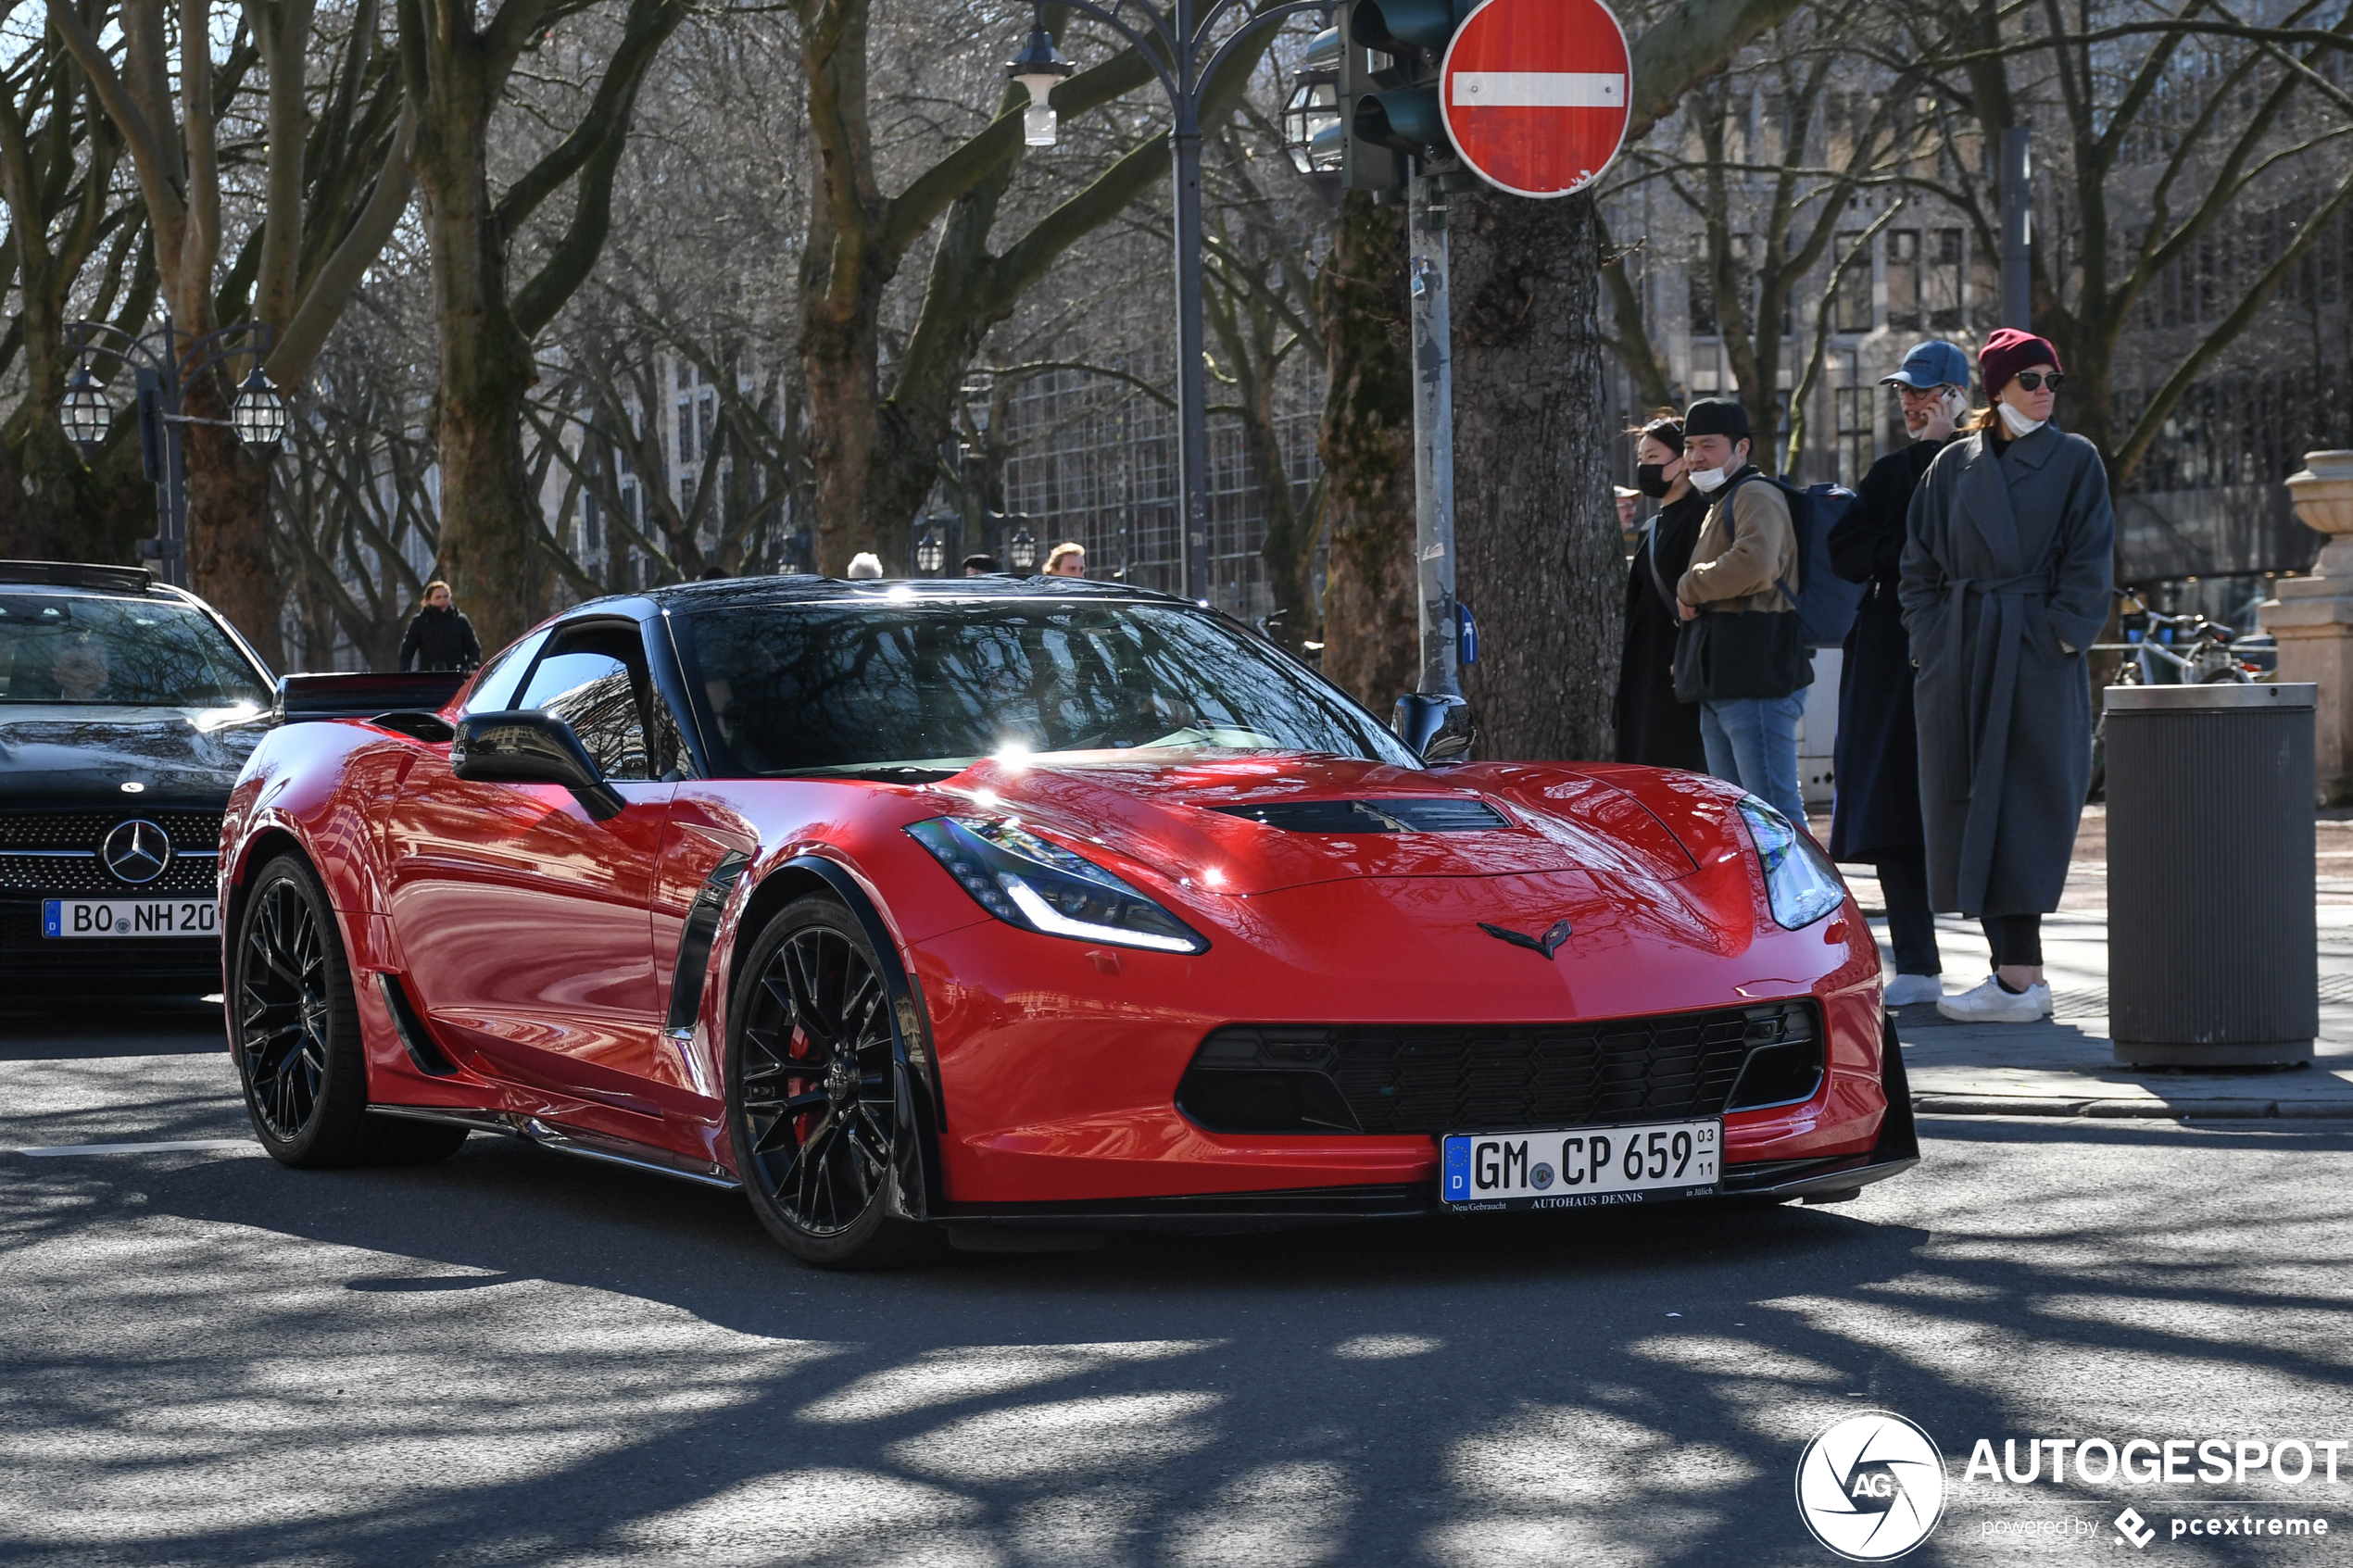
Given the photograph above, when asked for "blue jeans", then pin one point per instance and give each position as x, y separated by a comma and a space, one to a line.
1752, 741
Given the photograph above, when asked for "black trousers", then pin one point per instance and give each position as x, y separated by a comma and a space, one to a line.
2016, 939
1911, 924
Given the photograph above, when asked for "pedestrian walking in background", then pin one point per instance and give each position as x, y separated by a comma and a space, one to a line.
1655, 727
2006, 577
1741, 653
980, 566
1629, 514
1876, 816
865, 567
439, 635
1067, 559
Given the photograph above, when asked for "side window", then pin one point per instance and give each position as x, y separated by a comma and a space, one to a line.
593, 679
494, 691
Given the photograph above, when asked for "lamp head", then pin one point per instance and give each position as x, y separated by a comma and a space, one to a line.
1039, 67
84, 412
258, 414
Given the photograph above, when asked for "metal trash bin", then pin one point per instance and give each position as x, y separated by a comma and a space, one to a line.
2213, 956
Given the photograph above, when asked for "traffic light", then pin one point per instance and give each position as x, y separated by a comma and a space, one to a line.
1363, 165
1395, 108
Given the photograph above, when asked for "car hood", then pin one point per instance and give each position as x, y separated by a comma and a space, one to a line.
1196, 822
58, 754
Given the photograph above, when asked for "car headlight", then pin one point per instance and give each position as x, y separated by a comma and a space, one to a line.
1025, 880
1799, 879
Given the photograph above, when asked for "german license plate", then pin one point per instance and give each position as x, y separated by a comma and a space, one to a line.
129, 917
1580, 1167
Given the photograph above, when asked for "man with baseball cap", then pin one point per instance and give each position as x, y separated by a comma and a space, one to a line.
1876, 814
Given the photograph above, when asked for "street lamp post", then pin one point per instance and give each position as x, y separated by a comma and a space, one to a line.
1175, 40
165, 363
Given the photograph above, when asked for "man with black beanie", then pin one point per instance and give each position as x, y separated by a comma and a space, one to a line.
1748, 662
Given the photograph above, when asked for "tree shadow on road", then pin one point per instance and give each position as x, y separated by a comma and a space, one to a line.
512, 1358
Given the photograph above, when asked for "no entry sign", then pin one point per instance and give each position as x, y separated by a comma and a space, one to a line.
1534, 92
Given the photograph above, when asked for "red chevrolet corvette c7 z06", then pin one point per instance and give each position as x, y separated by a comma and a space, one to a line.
1004, 904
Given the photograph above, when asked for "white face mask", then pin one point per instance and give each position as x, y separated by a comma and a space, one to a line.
2019, 423
1707, 481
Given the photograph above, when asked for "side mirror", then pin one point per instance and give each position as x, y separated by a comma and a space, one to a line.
524, 746
1439, 729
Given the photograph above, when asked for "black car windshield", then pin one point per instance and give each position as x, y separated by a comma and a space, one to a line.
119, 652
844, 688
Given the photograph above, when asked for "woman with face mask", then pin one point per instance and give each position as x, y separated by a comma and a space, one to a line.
2007, 574
1652, 728
1876, 814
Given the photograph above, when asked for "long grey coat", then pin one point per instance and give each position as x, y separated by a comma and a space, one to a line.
2006, 567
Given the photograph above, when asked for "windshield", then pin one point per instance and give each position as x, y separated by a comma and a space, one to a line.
936, 686
119, 652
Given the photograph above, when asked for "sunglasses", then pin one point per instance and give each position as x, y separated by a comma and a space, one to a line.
2032, 380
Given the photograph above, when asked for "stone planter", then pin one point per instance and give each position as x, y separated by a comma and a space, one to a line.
2313, 618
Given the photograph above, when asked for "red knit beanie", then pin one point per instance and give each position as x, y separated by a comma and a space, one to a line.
2007, 353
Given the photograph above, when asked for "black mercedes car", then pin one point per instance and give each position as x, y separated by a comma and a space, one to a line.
126, 709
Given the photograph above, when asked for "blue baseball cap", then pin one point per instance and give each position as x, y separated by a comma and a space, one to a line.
1933, 363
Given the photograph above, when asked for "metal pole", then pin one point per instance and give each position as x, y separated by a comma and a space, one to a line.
1433, 719
2018, 278
174, 484
1433, 441
1192, 385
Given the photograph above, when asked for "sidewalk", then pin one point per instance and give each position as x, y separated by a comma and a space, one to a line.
2064, 1065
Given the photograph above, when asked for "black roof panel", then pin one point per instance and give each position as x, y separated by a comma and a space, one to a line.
892, 590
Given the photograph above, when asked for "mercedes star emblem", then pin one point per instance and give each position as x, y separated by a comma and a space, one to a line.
136, 851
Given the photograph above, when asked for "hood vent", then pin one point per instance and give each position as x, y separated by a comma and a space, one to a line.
1425, 813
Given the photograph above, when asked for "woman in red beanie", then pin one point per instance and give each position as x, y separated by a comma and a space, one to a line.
2007, 576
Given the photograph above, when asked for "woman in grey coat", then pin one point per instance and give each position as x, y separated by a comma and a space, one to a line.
2006, 577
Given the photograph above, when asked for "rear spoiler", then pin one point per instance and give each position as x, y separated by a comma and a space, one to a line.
364, 695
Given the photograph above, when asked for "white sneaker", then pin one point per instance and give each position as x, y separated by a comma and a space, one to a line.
1910, 990
1989, 1003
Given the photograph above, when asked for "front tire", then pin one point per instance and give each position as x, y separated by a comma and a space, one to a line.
812, 1092
297, 1029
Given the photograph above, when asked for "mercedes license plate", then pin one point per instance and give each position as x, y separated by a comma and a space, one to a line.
129, 917
1580, 1167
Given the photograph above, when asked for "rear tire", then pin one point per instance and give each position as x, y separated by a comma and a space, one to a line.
813, 1092
297, 1031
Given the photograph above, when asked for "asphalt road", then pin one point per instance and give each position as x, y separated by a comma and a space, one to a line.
516, 1358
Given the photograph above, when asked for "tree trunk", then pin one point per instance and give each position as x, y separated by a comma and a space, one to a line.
1366, 441
1536, 551
1290, 547
488, 514
230, 565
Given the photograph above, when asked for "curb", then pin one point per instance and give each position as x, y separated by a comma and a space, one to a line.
2154, 1109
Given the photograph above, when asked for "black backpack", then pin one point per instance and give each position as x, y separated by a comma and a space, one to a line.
1826, 602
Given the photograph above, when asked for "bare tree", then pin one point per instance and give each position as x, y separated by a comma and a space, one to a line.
332, 181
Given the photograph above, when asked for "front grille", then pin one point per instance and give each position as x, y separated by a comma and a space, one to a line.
1425, 813
1459, 1078
188, 876
83, 829
71, 868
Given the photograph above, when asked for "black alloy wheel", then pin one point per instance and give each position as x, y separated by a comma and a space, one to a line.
296, 1028
814, 1104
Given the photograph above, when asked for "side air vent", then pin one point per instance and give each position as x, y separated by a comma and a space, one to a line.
431, 728
1425, 813
423, 1050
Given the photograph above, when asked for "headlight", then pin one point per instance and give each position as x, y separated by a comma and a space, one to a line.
1027, 881
1799, 878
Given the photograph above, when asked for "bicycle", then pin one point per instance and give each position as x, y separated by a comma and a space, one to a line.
2216, 654
2184, 651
